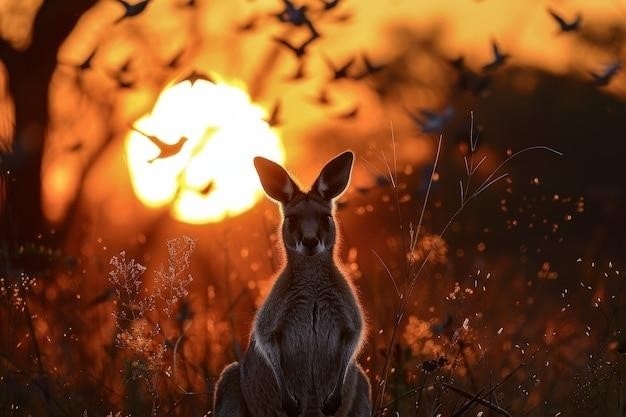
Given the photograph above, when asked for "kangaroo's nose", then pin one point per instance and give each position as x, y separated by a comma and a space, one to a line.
310, 242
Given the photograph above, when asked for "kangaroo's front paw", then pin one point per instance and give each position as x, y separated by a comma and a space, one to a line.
332, 403
291, 405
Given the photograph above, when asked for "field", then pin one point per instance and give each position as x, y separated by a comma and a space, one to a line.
483, 225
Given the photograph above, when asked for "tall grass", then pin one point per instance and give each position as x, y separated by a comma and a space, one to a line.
491, 340
414, 270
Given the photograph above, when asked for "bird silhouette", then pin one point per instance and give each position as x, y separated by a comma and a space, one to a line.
206, 190
166, 150
322, 98
293, 14
564, 25
457, 63
300, 50
350, 114
249, 25
432, 122
468, 80
121, 78
132, 10
370, 68
196, 75
75, 147
87, 63
296, 16
300, 72
274, 118
339, 72
122, 82
174, 62
81, 67
330, 4
477, 84
499, 58
605, 77
84, 65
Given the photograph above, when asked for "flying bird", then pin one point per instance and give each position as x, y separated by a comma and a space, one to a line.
132, 10
196, 75
121, 78
174, 62
166, 150
564, 25
84, 65
206, 190
300, 50
457, 63
274, 118
249, 25
350, 114
293, 14
330, 4
477, 84
370, 68
605, 77
322, 98
499, 58
342, 71
432, 122
122, 83
300, 72
297, 16
75, 147
87, 63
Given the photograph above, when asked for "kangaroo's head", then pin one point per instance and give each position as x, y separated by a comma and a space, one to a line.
308, 225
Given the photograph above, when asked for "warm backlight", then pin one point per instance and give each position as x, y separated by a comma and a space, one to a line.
195, 150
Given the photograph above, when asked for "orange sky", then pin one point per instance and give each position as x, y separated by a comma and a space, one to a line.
209, 40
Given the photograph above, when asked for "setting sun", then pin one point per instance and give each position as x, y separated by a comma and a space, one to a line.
194, 151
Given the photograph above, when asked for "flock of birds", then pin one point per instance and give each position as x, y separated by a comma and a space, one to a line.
302, 16
430, 122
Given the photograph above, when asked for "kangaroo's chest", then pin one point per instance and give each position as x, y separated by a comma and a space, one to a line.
315, 321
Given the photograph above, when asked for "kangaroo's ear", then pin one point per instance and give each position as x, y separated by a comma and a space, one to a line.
334, 177
275, 180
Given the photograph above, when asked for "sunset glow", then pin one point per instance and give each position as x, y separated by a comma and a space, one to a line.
211, 176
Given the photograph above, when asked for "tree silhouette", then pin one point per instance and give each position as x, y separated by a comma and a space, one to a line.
29, 74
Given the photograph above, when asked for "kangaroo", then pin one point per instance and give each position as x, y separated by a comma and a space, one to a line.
300, 359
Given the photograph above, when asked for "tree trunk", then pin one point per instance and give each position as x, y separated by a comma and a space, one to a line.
30, 72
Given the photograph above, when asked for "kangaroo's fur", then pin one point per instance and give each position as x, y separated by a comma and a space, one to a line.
300, 359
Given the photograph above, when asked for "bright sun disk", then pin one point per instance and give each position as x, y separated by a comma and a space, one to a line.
212, 175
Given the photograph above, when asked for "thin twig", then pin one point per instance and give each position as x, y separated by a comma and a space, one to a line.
393, 144
430, 183
476, 398
468, 404
488, 182
408, 393
388, 272
174, 354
